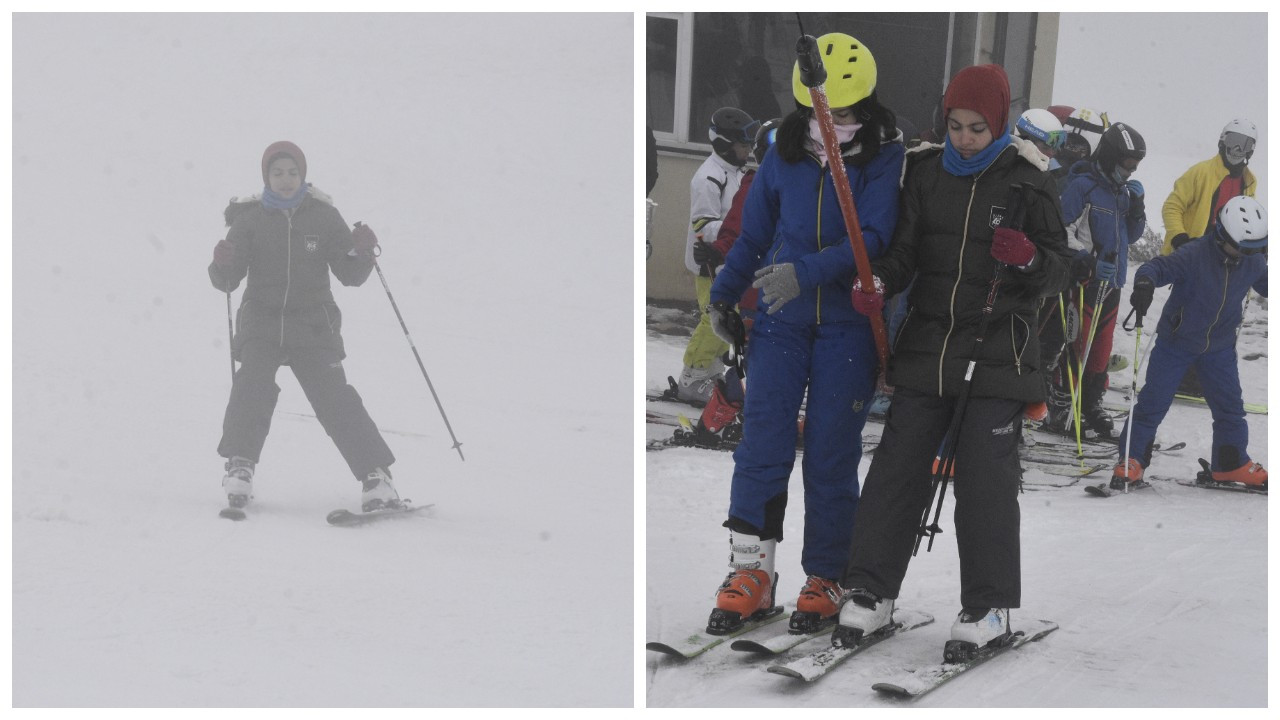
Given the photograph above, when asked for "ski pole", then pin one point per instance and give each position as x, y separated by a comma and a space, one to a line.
813, 74
1088, 345
456, 445
231, 335
1133, 395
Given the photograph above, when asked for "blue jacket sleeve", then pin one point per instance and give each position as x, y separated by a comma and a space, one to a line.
876, 201
1260, 285
759, 222
1168, 269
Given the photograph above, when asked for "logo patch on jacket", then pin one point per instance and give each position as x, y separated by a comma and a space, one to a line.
997, 216
312, 241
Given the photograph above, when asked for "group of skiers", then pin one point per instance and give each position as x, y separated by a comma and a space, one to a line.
1009, 242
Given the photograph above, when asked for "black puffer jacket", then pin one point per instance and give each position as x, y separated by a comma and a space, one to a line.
943, 241
288, 256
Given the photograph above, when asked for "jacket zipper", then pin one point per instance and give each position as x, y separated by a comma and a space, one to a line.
288, 268
1226, 281
822, 186
964, 238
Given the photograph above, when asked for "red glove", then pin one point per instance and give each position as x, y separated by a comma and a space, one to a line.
224, 255
364, 239
1012, 247
869, 304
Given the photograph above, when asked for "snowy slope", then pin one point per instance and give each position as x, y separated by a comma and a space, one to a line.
1161, 596
130, 134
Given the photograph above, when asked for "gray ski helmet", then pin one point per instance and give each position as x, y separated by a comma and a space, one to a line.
1244, 222
1237, 140
729, 125
1118, 142
765, 137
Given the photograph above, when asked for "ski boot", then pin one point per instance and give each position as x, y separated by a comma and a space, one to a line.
719, 421
862, 614
696, 385
817, 607
379, 493
1251, 474
748, 591
1127, 475
238, 482
1092, 414
974, 629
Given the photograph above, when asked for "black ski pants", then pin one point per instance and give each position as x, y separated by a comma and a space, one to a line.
984, 492
337, 405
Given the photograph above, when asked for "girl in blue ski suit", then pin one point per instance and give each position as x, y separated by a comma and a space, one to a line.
1197, 328
795, 247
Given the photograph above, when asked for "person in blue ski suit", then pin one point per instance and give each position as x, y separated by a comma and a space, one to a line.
1198, 325
806, 334
1105, 214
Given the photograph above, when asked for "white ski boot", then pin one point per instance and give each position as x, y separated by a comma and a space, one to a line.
862, 613
696, 384
379, 493
976, 628
238, 482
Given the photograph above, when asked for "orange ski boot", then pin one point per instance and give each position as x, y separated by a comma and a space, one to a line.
1130, 475
818, 605
748, 591
1251, 474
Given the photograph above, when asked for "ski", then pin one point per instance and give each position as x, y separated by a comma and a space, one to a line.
817, 664
914, 682
699, 642
1061, 469
1252, 408
778, 644
1052, 455
1204, 479
346, 518
1104, 490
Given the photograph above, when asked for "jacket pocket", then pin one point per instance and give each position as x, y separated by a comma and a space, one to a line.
333, 318
1019, 337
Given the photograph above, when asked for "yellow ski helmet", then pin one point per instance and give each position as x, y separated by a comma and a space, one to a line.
851, 71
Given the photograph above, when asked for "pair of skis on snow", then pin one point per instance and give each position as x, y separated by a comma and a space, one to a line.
909, 683
1204, 479
344, 517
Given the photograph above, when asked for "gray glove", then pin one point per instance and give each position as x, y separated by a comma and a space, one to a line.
777, 284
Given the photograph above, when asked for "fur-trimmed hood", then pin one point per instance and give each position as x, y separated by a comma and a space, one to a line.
241, 203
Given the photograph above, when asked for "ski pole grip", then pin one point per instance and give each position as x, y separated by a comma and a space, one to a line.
812, 71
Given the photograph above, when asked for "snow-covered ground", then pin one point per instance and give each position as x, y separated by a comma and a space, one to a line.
505, 244
1161, 595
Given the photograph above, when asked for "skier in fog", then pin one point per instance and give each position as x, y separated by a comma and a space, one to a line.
287, 242
950, 237
795, 249
1210, 276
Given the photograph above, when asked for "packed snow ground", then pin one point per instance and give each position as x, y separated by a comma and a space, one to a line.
1161, 595
130, 134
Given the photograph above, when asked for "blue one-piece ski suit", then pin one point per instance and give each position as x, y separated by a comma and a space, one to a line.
1198, 327
817, 340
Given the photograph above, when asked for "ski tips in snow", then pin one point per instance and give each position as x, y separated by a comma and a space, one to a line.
345, 518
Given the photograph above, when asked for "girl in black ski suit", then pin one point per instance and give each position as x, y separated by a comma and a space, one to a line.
287, 242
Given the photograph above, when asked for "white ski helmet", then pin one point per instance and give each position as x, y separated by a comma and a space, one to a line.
1089, 124
1037, 124
1245, 222
1240, 125
1237, 140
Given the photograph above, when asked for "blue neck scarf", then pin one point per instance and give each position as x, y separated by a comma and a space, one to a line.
272, 200
958, 166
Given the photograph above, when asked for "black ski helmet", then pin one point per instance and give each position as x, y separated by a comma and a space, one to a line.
729, 125
1118, 142
765, 138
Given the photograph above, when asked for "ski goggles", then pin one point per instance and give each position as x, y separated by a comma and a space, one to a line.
1237, 144
746, 135
1055, 139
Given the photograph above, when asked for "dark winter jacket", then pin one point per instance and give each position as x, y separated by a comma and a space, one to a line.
943, 241
1097, 212
1205, 307
288, 256
792, 215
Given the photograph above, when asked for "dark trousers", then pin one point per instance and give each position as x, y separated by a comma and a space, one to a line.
337, 405
984, 492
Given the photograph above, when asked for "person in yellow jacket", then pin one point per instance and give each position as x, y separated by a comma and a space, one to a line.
1203, 189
